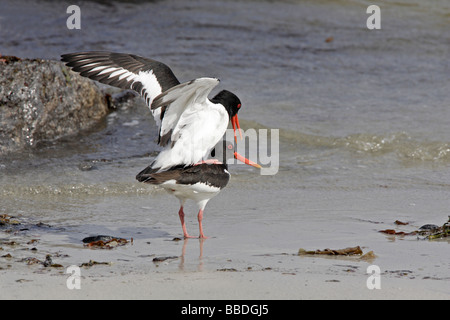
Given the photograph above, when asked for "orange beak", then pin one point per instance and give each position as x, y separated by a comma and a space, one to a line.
235, 123
246, 161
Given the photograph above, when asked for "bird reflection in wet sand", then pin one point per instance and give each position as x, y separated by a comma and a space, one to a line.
183, 254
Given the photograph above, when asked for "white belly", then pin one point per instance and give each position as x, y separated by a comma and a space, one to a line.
198, 192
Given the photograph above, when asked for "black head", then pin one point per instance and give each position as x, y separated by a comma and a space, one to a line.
232, 104
229, 100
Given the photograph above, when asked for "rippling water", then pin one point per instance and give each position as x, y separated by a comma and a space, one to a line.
361, 112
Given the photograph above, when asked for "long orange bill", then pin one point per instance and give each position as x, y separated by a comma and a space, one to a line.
235, 123
246, 161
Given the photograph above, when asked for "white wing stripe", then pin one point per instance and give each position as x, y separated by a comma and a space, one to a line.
150, 83
91, 64
96, 68
111, 69
118, 73
130, 76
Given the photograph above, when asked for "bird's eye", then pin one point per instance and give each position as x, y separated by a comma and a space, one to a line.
230, 147
239, 106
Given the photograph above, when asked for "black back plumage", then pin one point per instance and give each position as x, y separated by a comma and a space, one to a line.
215, 175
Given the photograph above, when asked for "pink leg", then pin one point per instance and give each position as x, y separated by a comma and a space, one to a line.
183, 225
209, 161
200, 218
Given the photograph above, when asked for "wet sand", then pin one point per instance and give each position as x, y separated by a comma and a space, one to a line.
253, 259
260, 285
363, 125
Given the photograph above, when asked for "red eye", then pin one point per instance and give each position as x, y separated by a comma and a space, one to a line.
239, 105
230, 146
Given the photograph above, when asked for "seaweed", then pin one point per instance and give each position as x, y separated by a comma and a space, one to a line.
160, 259
93, 263
331, 252
8, 220
428, 231
440, 232
398, 233
105, 242
47, 263
346, 252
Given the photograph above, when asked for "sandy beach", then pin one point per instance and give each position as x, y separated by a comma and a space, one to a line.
246, 285
321, 282
260, 263
361, 118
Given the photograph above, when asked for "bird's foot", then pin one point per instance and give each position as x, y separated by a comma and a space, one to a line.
186, 236
209, 161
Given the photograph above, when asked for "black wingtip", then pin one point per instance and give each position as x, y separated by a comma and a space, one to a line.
145, 175
66, 57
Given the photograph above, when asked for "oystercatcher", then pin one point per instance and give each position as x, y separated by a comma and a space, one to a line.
190, 124
199, 182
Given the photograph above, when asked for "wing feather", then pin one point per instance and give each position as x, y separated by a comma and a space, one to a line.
190, 124
147, 77
179, 101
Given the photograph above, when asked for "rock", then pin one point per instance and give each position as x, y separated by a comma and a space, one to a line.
97, 238
429, 227
42, 100
105, 242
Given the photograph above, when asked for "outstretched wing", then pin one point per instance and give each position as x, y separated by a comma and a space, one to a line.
147, 77
180, 101
183, 112
192, 123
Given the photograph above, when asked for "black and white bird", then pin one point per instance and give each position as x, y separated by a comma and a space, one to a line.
190, 124
199, 182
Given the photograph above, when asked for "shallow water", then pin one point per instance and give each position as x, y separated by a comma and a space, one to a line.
363, 120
